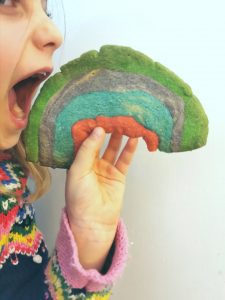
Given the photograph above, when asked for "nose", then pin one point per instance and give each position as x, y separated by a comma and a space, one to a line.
46, 35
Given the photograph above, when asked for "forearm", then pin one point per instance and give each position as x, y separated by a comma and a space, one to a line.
93, 244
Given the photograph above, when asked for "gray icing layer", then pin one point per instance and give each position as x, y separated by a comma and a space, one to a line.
107, 80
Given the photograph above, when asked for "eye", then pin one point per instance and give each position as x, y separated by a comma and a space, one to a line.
7, 2
11, 2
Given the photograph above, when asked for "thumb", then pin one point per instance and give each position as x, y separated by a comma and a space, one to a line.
89, 150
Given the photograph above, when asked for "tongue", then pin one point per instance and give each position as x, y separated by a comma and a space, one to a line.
22, 90
19, 103
15, 109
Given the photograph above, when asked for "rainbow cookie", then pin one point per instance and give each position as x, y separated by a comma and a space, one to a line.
121, 90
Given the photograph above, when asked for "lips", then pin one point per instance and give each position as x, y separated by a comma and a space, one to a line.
21, 94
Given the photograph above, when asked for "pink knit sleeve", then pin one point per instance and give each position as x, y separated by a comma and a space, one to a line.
73, 272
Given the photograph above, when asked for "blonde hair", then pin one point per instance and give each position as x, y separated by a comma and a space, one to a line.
39, 174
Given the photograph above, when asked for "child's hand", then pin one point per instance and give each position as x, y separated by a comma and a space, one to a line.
95, 187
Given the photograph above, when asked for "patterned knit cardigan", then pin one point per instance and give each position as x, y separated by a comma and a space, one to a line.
26, 270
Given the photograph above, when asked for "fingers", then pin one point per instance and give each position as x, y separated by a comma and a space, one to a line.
126, 155
88, 151
90, 148
113, 148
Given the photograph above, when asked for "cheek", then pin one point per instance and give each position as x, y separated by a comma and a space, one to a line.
12, 43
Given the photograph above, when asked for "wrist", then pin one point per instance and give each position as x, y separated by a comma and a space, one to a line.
93, 239
93, 246
90, 229
93, 232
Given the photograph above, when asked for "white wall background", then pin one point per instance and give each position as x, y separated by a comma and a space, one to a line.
174, 204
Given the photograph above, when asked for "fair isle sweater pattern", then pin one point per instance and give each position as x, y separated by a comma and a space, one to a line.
18, 232
23, 253
60, 289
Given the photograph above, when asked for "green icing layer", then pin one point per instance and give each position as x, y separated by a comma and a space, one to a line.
122, 59
152, 113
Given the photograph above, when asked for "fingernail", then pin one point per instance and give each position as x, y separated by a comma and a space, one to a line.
97, 132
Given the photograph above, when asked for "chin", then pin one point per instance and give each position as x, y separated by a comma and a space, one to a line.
10, 142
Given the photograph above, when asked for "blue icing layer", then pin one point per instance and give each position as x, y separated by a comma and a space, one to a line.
148, 110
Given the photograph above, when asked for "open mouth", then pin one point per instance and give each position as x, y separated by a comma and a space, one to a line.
21, 94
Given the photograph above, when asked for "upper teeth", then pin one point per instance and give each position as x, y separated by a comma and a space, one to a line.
39, 75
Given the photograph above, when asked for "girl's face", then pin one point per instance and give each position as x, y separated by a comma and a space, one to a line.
28, 39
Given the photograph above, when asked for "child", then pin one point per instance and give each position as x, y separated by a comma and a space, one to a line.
91, 245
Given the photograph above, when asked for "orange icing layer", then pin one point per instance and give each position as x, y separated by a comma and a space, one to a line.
121, 124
